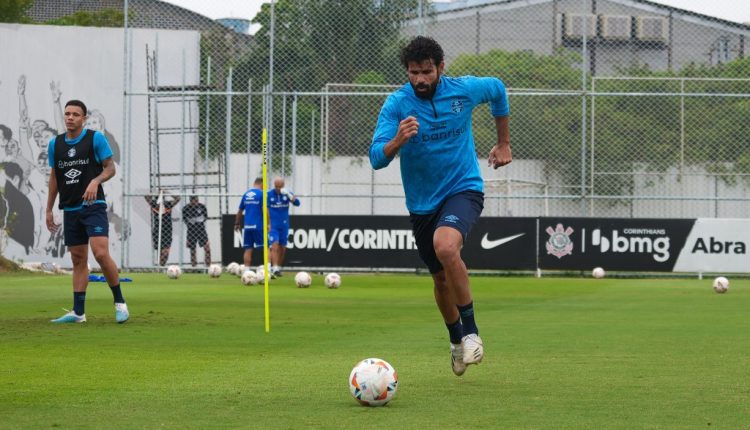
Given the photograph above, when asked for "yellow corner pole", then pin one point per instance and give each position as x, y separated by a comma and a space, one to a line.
266, 275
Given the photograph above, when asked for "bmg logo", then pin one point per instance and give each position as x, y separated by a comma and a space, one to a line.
659, 246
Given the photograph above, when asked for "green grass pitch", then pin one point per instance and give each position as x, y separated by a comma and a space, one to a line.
561, 353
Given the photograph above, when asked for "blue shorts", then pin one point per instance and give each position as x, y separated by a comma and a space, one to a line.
253, 238
89, 221
459, 211
280, 235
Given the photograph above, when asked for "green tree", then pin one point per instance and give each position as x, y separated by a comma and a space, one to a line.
14, 11
100, 18
327, 41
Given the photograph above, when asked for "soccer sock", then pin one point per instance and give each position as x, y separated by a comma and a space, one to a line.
467, 318
455, 331
117, 294
79, 303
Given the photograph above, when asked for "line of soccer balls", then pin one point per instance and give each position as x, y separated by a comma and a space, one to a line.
253, 277
720, 283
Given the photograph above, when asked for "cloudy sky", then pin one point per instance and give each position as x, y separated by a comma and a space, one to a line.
732, 10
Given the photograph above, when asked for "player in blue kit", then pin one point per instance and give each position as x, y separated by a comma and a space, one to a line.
80, 161
279, 199
427, 122
251, 222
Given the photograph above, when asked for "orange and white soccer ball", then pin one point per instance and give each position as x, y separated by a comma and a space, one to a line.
373, 382
721, 285
332, 280
598, 273
173, 272
303, 279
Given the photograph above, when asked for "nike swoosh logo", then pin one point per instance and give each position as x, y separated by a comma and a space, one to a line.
489, 244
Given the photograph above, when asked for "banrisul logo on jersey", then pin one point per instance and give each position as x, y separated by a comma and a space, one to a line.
618, 244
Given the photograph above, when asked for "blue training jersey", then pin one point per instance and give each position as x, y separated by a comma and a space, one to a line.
102, 151
252, 204
441, 159
278, 208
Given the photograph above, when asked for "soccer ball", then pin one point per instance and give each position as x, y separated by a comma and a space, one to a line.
721, 285
373, 382
262, 269
173, 272
260, 273
249, 278
232, 267
598, 273
302, 279
333, 280
214, 270
240, 270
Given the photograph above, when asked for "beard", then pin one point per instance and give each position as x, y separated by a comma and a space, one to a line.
424, 91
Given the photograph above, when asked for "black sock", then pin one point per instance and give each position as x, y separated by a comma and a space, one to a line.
455, 331
467, 318
79, 303
117, 294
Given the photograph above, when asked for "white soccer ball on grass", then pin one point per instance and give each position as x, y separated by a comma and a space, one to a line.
373, 382
721, 285
249, 278
303, 279
240, 269
232, 267
174, 271
332, 280
214, 270
598, 273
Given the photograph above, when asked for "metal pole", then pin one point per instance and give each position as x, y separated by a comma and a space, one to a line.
182, 154
593, 133
207, 140
283, 136
293, 167
228, 130
249, 128
125, 135
584, 54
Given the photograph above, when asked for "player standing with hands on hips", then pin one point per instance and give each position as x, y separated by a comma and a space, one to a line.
428, 123
80, 161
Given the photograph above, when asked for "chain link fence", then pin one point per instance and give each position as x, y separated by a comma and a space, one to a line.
619, 108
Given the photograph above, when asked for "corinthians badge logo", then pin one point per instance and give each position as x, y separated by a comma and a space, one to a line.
559, 243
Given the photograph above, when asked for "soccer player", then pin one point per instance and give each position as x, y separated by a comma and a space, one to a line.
80, 161
161, 222
428, 123
279, 199
252, 220
195, 214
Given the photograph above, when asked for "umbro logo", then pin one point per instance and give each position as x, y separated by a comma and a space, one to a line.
451, 218
73, 173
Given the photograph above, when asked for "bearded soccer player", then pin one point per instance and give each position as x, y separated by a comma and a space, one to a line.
427, 122
80, 161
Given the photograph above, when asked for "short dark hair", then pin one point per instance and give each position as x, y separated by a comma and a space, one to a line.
12, 170
421, 48
7, 133
78, 103
258, 180
193, 197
